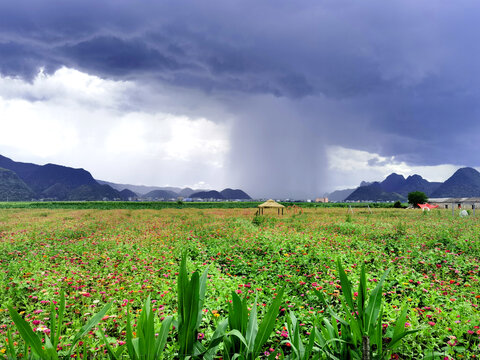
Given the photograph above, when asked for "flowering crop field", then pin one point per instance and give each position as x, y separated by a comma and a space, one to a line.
121, 257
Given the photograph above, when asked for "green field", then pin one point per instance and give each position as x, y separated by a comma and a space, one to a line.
121, 256
159, 205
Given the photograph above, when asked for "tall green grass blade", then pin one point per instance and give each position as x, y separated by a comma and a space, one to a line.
346, 287
266, 327
237, 320
293, 335
50, 350
394, 344
53, 325
238, 335
136, 347
61, 314
296, 336
147, 329
216, 340
118, 352
191, 295
399, 328
361, 298
353, 323
187, 334
162, 336
11, 353
129, 339
201, 297
311, 344
252, 327
182, 288
319, 335
374, 305
377, 337
31, 339
84, 351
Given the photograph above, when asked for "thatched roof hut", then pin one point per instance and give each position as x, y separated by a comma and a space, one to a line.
270, 204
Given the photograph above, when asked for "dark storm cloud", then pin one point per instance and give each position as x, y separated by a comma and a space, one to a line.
114, 56
188, 47
398, 78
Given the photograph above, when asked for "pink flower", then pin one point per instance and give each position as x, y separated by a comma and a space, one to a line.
431, 323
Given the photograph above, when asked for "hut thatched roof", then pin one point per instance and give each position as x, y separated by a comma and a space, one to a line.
271, 204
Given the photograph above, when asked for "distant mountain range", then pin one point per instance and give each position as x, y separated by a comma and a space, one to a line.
21, 181
25, 181
168, 192
222, 195
465, 182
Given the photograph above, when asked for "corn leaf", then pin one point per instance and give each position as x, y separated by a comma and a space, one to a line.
129, 340
346, 287
374, 305
10, 348
362, 297
31, 339
399, 329
217, 338
201, 297
266, 327
162, 336
53, 355
252, 327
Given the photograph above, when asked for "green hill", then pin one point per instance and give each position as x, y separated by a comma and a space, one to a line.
374, 192
465, 182
94, 192
12, 188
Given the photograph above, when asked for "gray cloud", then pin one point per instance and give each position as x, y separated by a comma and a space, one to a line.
399, 78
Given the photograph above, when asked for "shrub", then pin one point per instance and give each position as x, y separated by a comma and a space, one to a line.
397, 204
258, 220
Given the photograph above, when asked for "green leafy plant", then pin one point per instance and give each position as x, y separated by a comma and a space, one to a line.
299, 350
143, 346
191, 295
258, 220
361, 335
33, 340
246, 338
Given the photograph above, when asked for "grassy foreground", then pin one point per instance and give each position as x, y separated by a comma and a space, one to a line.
96, 257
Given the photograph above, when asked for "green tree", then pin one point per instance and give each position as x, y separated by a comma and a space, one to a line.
417, 197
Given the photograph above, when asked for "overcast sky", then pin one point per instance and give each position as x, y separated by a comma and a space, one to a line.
279, 98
